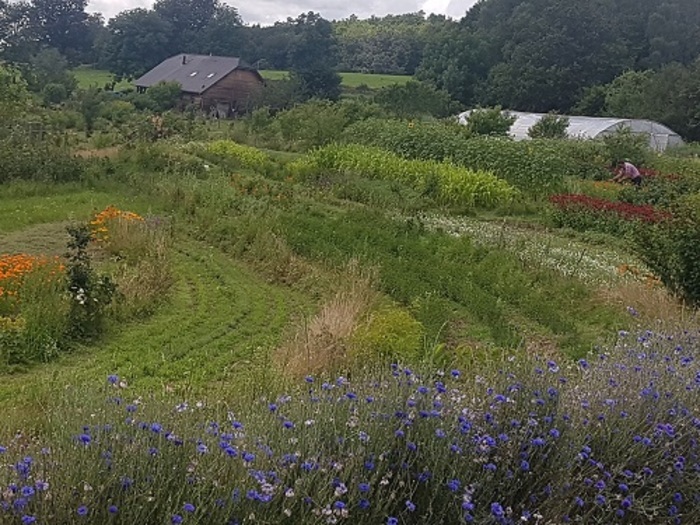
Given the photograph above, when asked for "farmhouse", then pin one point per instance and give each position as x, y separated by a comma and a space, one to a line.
660, 137
220, 86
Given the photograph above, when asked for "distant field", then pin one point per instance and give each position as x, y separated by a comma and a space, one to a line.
352, 80
98, 78
87, 77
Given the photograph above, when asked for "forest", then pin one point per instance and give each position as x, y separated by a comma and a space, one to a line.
637, 59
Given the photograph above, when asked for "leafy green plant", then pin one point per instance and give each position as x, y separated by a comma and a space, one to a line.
493, 122
672, 249
551, 126
415, 99
90, 292
390, 333
239, 154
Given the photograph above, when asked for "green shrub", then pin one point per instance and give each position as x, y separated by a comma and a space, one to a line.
448, 183
672, 249
415, 99
320, 122
243, 156
624, 145
550, 126
390, 334
493, 122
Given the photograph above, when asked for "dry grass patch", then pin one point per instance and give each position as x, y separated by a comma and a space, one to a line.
322, 343
650, 303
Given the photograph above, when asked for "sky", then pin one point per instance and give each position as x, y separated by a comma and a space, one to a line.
267, 12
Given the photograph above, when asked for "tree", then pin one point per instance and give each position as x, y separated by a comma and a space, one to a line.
189, 20
223, 35
313, 56
490, 121
61, 24
49, 67
14, 96
138, 41
415, 99
550, 126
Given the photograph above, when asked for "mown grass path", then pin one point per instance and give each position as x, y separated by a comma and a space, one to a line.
220, 320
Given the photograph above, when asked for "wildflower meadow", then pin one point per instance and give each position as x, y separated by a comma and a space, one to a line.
610, 439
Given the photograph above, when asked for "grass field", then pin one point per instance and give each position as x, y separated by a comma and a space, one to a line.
98, 78
352, 80
88, 77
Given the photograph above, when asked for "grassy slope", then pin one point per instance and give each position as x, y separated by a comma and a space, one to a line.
221, 319
94, 77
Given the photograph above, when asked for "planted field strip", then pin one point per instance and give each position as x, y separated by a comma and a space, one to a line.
592, 264
220, 320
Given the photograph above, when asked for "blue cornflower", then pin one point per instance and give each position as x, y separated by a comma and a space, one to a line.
678, 497
538, 442
600, 499
600, 485
2, 449
156, 427
131, 408
555, 433
113, 379
340, 505
363, 487
176, 519
288, 424
248, 457
455, 373
579, 502
453, 485
626, 503
490, 467
623, 487
27, 519
391, 520
412, 446
440, 433
82, 510
27, 491
113, 509
84, 439
410, 507
309, 379
188, 507
272, 407
202, 448
369, 465
497, 510
363, 504
524, 465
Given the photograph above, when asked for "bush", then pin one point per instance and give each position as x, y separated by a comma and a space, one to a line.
672, 249
53, 94
624, 145
550, 126
239, 155
390, 334
415, 99
320, 122
493, 122
448, 183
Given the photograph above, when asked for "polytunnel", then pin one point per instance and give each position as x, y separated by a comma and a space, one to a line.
660, 136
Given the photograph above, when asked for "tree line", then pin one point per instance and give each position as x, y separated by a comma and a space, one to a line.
627, 58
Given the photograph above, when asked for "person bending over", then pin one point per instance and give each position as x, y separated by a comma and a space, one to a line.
627, 172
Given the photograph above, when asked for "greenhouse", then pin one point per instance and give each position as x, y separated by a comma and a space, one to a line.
660, 137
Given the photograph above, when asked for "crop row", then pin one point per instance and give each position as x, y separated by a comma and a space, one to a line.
447, 183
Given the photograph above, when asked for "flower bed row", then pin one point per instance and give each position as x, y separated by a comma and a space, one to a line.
449, 184
614, 440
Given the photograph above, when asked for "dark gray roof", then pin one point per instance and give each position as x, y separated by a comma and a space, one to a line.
195, 73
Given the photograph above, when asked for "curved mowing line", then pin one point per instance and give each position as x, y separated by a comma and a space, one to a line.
220, 316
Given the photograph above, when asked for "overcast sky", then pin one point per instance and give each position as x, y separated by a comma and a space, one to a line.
267, 12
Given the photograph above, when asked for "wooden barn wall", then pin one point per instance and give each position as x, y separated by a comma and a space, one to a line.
235, 88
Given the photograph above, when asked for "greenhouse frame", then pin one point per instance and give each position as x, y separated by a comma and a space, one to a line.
660, 136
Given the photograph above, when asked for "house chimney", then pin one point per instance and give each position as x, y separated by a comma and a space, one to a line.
184, 59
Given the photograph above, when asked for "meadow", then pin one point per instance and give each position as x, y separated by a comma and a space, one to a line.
329, 316
88, 77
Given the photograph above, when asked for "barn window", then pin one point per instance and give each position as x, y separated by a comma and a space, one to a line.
211, 75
